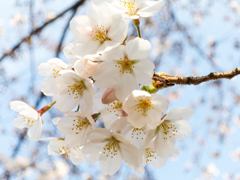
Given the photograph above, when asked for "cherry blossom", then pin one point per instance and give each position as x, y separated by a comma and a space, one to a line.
144, 108
125, 67
133, 9
75, 125
59, 147
75, 90
136, 135
52, 71
113, 148
99, 30
173, 127
28, 117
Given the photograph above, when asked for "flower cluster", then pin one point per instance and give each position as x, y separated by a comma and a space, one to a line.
136, 131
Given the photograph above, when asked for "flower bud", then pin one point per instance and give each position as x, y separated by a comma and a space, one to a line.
109, 96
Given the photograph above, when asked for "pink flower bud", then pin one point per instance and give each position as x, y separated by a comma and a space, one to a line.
109, 96
124, 114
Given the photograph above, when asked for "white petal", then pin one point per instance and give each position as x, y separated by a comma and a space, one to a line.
56, 120
130, 154
35, 131
81, 27
183, 129
137, 119
99, 135
19, 122
138, 49
86, 103
110, 163
159, 101
150, 8
73, 140
92, 148
125, 86
24, 109
144, 71
76, 156
150, 135
179, 114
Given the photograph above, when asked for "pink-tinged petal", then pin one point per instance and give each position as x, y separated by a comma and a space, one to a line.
130, 154
35, 131
93, 148
138, 49
125, 86
110, 164
99, 135
160, 102
24, 109
81, 27
109, 96
183, 129
124, 114
143, 71
150, 8
137, 119
179, 114
19, 122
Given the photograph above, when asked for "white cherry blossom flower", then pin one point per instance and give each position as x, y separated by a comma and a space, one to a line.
109, 112
59, 147
113, 148
75, 90
133, 9
150, 157
125, 67
99, 30
136, 135
144, 108
75, 125
173, 127
52, 71
28, 117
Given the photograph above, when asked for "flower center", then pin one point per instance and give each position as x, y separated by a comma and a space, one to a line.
77, 89
115, 106
30, 122
168, 129
79, 124
56, 73
65, 150
143, 105
125, 65
111, 148
138, 133
129, 6
150, 154
100, 34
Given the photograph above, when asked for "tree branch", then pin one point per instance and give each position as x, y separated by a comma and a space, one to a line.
162, 80
39, 29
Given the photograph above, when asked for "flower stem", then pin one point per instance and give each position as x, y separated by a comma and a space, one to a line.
136, 23
46, 108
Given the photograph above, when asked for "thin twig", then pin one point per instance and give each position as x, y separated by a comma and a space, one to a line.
161, 80
39, 29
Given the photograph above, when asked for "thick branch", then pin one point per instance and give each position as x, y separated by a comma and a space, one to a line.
39, 29
162, 80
